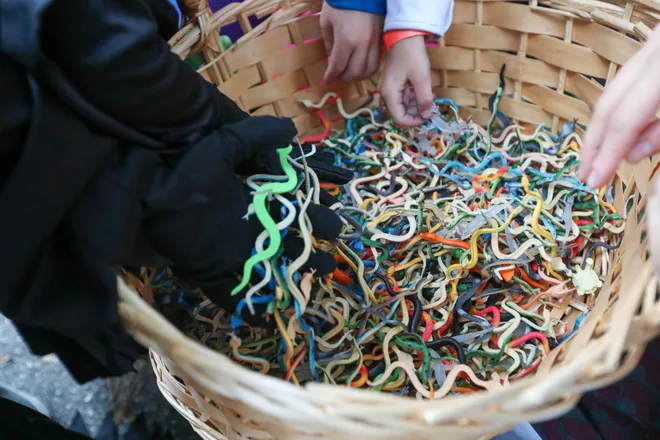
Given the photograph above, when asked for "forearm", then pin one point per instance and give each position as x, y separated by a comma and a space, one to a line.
112, 53
432, 16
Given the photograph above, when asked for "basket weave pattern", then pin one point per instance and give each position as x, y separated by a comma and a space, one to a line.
558, 53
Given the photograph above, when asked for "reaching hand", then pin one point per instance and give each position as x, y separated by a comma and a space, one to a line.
407, 66
624, 123
207, 235
352, 39
652, 222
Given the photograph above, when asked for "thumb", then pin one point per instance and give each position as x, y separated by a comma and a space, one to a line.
647, 145
328, 34
421, 82
256, 135
653, 206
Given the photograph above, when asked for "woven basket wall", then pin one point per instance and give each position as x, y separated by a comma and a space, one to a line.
557, 55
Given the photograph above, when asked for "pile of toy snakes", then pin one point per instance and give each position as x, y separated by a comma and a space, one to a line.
467, 254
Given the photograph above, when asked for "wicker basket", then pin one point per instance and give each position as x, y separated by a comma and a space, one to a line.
557, 53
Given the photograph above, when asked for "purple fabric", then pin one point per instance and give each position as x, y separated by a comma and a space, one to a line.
217, 4
233, 30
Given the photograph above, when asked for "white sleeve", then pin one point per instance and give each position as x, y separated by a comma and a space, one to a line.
432, 16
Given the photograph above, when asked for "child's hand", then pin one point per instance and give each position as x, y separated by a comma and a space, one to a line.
408, 65
652, 222
352, 39
624, 123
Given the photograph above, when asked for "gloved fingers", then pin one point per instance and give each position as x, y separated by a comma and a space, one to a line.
218, 293
259, 318
324, 156
327, 199
321, 262
308, 148
322, 162
256, 135
328, 172
236, 304
323, 219
325, 222
259, 164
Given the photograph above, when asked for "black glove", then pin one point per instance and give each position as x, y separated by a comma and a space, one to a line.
205, 236
322, 162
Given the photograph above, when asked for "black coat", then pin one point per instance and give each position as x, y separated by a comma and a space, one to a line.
92, 105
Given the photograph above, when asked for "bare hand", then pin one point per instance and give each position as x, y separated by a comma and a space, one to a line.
624, 123
406, 82
652, 222
352, 38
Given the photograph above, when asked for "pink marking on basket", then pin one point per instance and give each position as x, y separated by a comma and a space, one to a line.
308, 41
304, 88
432, 44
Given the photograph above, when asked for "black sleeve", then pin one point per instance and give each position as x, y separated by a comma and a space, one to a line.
112, 52
166, 17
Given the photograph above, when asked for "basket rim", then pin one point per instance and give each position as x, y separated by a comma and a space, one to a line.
136, 304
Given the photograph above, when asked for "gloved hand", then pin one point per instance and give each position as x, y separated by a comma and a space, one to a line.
322, 162
204, 235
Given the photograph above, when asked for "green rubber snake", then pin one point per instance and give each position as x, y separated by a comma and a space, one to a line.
261, 210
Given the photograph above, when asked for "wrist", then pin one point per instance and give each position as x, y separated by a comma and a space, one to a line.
390, 38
